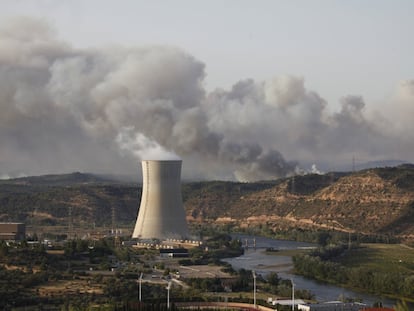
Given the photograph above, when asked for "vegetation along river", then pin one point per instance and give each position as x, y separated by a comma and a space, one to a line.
262, 263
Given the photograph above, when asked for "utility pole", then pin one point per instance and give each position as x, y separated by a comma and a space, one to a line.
70, 220
114, 229
168, 295
140, 284
254, 288
113, 220
293, 295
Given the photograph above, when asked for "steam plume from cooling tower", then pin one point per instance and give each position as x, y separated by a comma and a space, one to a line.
67, 109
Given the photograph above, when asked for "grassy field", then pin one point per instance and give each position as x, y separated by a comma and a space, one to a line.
390, 258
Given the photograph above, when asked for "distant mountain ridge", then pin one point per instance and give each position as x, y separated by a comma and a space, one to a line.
60, 179
358, 166
379, 200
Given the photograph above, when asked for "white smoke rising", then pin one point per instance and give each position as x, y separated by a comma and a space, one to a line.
4, 176
142, 147
66, 109
315, 170
401, 112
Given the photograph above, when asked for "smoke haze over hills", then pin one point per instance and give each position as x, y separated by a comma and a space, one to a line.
101, 110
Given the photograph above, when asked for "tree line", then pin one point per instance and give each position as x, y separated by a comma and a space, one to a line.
319, 265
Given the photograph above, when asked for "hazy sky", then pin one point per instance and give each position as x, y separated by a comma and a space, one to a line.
239, 89
339, 47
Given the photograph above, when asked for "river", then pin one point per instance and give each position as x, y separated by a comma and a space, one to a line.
263, 263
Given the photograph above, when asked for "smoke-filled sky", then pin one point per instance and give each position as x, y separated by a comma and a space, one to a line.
236, 89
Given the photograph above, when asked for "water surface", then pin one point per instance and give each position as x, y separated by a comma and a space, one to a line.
262, 263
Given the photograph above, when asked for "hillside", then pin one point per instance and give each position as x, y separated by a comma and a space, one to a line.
57, 180
371, 201
48, 200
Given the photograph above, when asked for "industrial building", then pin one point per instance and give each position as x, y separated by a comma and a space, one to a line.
333, 306
12, 231
161, 213
174, 252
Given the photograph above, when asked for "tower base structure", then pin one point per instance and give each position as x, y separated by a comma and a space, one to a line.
161, 213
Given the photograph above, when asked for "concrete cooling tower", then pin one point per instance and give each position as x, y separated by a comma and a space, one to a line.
161, 213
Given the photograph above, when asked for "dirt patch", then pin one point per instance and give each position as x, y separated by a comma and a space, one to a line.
69, 287
202, 271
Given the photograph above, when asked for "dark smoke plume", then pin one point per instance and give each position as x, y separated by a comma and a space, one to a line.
65, 109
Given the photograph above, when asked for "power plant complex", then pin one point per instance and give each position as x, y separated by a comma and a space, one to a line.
161, 213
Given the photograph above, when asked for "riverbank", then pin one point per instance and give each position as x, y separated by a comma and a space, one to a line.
372, 268
280, 262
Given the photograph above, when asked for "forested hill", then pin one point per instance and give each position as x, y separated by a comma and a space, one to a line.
372, 201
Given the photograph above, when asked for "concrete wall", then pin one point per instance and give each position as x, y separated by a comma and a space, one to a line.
161, 212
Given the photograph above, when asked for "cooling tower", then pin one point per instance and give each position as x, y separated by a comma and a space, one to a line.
161, 213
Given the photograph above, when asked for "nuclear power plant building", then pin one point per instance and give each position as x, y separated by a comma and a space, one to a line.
161, 213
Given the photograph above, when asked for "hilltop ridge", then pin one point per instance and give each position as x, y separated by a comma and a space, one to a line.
372, 201
58, 179
379, 200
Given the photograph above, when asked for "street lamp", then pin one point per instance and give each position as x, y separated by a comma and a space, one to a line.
254, 288
168, 295
140, 283
293, 295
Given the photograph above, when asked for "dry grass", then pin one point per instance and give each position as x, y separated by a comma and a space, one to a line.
381, 257
69, 287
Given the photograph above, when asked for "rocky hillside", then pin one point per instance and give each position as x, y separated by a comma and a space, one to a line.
371, 201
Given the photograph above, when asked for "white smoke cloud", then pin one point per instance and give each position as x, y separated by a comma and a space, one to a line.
66, 109
4, 176
402, 109
142, 147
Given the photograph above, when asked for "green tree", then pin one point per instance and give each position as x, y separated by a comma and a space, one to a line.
323, 238
4, 249
401, 306
273, 279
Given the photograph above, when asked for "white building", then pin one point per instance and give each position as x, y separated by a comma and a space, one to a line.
332, 306
285, 302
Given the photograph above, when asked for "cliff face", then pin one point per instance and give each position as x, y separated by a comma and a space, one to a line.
370, 201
